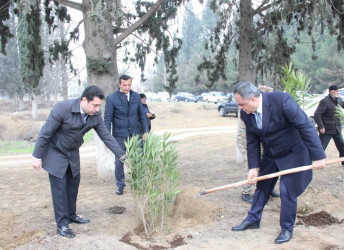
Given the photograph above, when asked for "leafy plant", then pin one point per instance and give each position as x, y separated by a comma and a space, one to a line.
339, 113
153, 178
296, 85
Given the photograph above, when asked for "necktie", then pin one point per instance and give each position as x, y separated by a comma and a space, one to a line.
259, 119
84, 117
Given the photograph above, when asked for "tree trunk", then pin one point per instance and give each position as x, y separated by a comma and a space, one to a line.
21, 103
99, 44
64, 80
64, 76
34, 106
246, 67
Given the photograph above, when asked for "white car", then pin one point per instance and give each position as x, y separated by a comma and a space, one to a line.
151, 96
215, 97
163, 96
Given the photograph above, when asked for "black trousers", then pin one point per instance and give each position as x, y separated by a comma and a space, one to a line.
64, 192
338, 140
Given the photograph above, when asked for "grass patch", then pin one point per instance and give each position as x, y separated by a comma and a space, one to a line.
25, 147
13, 147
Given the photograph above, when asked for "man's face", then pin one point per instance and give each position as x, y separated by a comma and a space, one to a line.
125, 86
334, 93
91, 107
249, 106
144, 100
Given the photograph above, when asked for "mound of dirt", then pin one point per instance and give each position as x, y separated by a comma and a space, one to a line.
191, 210
117, 210
319, 219
12, 128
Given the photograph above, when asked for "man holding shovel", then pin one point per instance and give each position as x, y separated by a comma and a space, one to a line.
289, 140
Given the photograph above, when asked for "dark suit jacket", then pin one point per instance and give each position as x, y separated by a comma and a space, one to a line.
124, 117
62, 134
325, 116
289, 140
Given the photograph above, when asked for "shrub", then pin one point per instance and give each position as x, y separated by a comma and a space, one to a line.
153, 178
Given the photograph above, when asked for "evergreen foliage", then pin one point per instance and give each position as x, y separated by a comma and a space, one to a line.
5, 33
153, 178
10, 81
31, 55
98, 66
270, 45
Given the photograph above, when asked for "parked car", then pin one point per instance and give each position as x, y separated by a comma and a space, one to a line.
163, 96
152, 96
200, 98
215, 97
229, 107
185, 97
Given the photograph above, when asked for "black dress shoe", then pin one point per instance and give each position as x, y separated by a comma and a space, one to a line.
246, 225
247, 198
79, 220
119, 191
284, 236
65, 231
275, 194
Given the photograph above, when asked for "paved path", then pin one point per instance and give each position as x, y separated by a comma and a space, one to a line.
24, 161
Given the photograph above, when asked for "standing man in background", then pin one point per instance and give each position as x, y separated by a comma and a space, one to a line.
123, 114
57, 151
328, 124
149, 115
289, 140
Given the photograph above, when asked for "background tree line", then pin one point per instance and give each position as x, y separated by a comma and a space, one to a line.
277, 37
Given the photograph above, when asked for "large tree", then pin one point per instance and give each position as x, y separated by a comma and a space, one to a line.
107, 26
259, 32
10, 81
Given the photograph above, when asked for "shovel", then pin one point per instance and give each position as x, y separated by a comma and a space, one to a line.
269, 176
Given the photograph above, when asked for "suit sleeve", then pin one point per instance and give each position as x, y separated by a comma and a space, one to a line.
48, 130
299, 120
142, 118
108, 113
253, 145
108, 139
318, 113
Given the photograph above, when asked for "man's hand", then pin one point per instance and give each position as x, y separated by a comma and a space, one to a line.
322, 131
252, 173
123, 158
37, 164
319, 164
144, 136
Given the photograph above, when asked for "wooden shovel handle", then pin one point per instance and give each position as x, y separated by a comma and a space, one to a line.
269, 176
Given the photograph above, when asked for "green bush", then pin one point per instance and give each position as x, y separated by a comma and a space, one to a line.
153, 178
296, 85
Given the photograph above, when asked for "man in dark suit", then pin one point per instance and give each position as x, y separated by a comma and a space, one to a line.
124, 111
329, 125
289, 140
57, 151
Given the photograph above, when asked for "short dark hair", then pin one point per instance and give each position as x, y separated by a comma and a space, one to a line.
91, 91
124, 77
246, 90
142, 95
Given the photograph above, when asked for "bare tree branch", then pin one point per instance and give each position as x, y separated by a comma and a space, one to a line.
263, 8
71, 4
139, 22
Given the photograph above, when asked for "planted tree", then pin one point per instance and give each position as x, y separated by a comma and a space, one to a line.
297, 86
153, 178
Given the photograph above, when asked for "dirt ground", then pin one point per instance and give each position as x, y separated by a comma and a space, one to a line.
206, 144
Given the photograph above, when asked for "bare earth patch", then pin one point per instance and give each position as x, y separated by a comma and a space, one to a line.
198, 222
